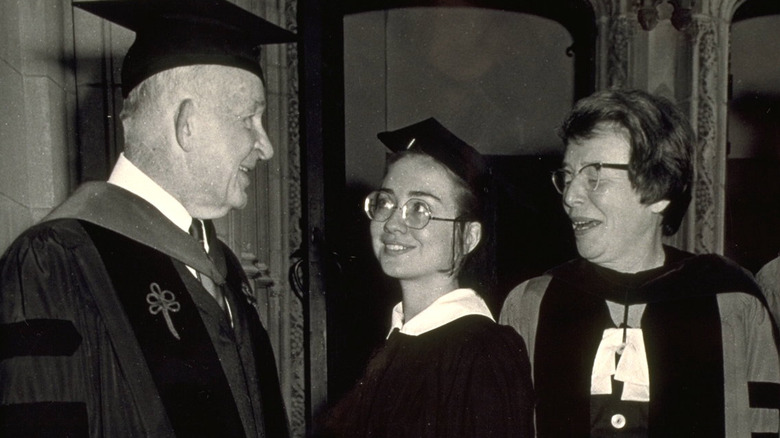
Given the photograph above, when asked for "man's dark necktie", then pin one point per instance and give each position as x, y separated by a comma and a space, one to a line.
197, 229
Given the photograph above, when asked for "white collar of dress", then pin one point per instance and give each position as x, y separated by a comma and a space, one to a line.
449, 307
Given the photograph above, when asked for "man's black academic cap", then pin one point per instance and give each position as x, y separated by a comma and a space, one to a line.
175, 33
432, 138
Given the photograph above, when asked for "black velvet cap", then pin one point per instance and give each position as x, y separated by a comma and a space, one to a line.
432, 138
175, 33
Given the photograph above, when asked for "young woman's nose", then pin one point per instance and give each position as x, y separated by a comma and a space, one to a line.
396, 221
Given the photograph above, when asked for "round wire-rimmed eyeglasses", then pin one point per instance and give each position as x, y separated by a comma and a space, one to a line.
562, 178
416, 213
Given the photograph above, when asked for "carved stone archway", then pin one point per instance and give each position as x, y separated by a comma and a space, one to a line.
699, 84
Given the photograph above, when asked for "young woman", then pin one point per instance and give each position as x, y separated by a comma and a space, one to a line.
447, 369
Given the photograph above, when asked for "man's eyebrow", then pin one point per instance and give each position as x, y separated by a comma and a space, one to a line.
245, 106
255, 106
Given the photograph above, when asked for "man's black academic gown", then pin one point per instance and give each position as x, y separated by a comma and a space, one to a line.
104, 331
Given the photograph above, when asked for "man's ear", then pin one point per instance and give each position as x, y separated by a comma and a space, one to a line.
472, 236
659, 206
183, 121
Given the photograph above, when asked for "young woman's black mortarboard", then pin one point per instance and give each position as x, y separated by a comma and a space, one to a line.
432, 138
175, 33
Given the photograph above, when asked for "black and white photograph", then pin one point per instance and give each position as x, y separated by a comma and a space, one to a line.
390, 218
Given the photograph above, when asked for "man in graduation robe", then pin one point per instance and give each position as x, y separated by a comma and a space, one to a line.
122, 314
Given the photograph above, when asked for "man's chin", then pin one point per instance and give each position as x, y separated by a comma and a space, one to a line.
238, 205
237, 200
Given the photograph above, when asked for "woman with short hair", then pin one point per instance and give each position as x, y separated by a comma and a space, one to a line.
636, 338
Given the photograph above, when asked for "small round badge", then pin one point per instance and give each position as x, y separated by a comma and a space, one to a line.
618, 421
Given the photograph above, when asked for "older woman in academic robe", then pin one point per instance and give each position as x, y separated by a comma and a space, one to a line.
636, 338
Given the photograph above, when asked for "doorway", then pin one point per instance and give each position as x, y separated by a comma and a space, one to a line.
753, 163
500, 80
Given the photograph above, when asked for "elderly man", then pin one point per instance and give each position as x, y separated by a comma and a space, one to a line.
121, 314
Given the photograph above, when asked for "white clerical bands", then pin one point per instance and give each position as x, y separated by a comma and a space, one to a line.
631, 369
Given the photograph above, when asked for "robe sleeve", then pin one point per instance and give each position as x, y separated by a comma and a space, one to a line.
751, 366
59, 373
768, 279
521, 309
43, 380
499, 400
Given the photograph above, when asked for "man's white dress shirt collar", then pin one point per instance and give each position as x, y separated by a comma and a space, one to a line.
447, 308
127, 176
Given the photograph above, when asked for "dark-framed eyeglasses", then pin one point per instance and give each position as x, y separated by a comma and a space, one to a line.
562, 178
416, 213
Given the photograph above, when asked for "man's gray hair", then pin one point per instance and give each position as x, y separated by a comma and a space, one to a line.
143, 115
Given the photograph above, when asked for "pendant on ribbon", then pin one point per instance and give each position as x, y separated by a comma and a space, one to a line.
163, 301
